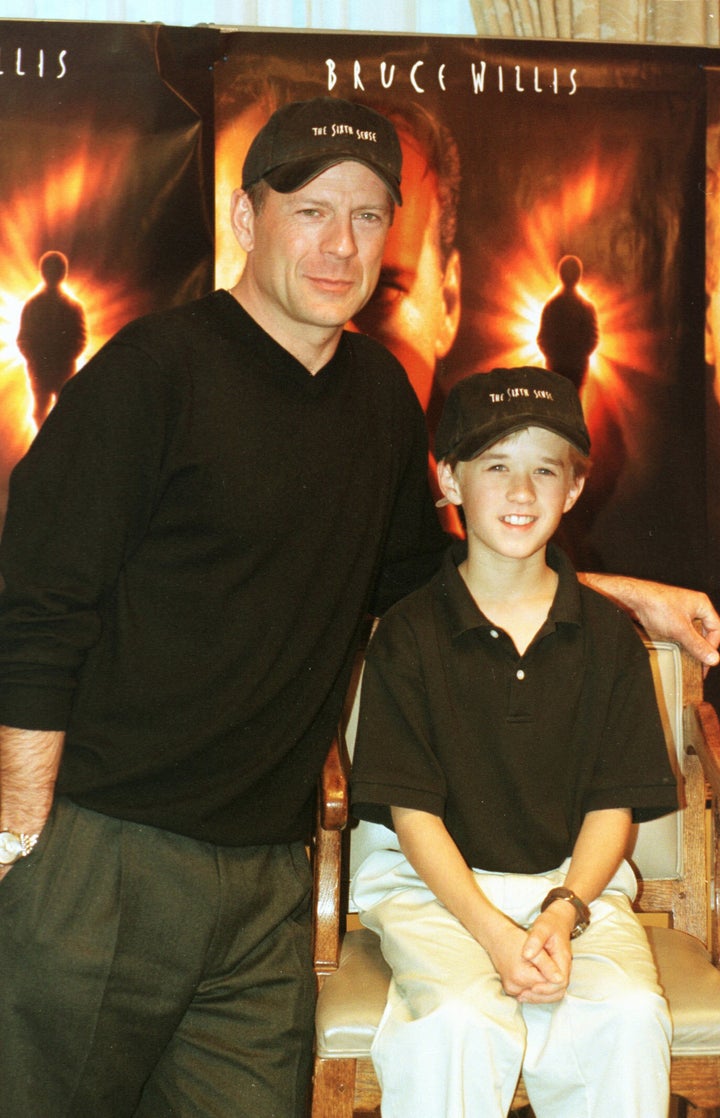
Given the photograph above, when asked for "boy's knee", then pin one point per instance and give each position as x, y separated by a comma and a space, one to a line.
639, 1016
481, 1023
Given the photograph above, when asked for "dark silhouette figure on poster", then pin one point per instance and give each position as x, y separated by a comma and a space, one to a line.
567, 337
568, 325
52, 334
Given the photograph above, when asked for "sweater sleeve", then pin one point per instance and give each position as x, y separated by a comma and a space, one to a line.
78, 502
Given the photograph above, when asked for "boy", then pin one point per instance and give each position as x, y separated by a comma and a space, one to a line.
508, 723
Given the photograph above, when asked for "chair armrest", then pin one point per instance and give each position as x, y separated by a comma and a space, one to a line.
703, 736
327, 857
333, 792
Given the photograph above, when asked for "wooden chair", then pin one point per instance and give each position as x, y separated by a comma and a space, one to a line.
677, 862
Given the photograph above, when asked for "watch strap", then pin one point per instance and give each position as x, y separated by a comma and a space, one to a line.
582, 912
26, 843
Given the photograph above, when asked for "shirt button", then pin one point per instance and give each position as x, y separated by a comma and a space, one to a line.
520, 674
494, 633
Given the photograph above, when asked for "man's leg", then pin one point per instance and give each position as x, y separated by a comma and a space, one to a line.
244, 1046
63, 921
109, 932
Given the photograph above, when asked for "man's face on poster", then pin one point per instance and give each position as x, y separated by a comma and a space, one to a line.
416, 306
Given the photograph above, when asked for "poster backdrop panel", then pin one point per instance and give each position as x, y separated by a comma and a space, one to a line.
552, 216
712, 330
105, 178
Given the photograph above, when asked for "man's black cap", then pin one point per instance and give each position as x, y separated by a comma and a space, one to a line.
484, 407
304, 138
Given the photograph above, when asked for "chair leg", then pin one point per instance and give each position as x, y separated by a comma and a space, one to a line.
683, 1108
333, 1088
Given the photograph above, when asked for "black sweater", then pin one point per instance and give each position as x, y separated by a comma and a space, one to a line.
190, 546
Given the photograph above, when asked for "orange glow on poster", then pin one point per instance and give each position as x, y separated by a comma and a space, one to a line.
510, 320
76, 201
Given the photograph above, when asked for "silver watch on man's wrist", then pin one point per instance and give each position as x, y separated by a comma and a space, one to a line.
14, 846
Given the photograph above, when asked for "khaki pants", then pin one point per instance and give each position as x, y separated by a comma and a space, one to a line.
451, 1043
144, 974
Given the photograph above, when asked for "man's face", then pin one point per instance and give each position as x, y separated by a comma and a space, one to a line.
314, 255
416, 307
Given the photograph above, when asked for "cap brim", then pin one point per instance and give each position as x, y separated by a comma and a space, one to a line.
292, 176
475, 444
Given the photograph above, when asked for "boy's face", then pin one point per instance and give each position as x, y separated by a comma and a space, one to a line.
514, 494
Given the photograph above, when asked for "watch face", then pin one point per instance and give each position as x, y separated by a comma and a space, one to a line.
10, 848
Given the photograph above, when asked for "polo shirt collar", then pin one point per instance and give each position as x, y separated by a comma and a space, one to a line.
464, 614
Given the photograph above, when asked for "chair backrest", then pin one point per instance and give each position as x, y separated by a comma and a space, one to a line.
658, 846
666, 852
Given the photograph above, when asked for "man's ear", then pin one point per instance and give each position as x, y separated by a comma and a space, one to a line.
451, 300
242, 219
573, 493
448, 483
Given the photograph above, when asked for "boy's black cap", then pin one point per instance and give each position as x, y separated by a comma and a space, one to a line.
484, 407
304, 138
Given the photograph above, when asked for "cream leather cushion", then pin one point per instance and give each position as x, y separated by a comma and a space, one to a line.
352, 1000
692, 988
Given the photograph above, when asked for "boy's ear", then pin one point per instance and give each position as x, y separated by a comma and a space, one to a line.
574, 492
448, 482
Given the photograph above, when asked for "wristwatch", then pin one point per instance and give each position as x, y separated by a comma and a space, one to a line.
14, 846
582, 912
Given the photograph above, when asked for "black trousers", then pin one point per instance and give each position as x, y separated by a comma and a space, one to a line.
144, 974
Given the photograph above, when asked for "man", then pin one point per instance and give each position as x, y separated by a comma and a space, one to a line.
191, 546
415, 309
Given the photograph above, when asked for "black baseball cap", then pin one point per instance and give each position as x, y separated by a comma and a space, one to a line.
304, 138
484, 407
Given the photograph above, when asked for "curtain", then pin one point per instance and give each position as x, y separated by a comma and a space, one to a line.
429, 17
689, 22
684, 22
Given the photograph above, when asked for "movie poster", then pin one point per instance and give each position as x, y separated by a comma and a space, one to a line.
712, 326
553, 215
106, 182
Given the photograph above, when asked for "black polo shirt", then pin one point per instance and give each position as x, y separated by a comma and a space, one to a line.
510, 751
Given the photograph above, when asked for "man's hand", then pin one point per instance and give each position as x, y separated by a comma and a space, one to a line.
666, 612
671, 613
